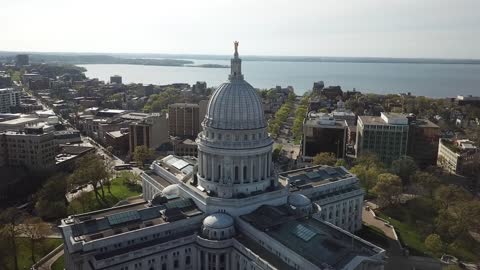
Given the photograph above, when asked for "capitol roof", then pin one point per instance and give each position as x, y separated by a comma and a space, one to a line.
235, 105
318, 242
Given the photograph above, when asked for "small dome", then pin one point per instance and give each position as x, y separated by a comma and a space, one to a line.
298, 200
171, 191
158, 199
218, 221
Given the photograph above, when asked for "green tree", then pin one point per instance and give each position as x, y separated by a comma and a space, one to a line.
324, 158
446, 196
427, 182
10, 229
368, 176
277, 152
434, 243
341, 162
404, 167
456, 221
91, 169
388, 189
141, 154
369, 159
35, 230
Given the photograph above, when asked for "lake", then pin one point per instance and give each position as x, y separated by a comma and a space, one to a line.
434, 80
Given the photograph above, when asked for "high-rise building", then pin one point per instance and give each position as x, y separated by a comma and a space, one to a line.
423, 142
22, 60
323, 133
116, 79
9, 97
386, 136
5, 80
183, 119
32, 148
150, 130
228, 210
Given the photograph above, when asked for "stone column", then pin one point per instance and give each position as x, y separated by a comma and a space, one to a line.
206, 260
217, 261
269, 163
251, 170
212, 172
259, 167
265, 158
240, 173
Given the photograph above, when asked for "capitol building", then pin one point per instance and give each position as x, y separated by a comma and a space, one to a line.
228, 209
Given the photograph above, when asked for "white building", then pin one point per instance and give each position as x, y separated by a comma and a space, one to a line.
9, 97
460, 157
226, 210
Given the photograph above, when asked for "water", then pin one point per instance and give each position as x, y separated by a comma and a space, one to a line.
434, 80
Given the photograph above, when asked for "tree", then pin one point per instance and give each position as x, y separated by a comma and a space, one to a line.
458, 219
50, 199
91, 169
325, 158
446, 196
277, 152
404, 167
369, 159
367, 176
427, 182
341, 162
141, 154
10, 229
35, 230
367, 168
434, 243
388, 188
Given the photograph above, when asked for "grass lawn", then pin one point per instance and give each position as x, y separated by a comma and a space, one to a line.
120, 190
415, 220
59, 264
24, 252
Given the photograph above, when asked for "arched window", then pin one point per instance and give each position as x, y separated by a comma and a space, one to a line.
219, 172
236, 173
244, 173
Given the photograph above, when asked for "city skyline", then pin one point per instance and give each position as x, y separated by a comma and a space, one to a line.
373, 28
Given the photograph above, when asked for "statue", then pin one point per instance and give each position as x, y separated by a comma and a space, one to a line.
235, 43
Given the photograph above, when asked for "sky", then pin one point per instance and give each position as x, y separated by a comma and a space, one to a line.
358, 28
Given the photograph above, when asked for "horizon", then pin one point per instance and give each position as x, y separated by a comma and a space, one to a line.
431, 29
227, 56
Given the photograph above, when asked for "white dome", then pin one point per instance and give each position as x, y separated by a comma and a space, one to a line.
298, 200
218, 221
235, 105
171, 191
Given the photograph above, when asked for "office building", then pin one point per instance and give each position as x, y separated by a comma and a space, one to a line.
460, 157
150, 130
116, 79
423, 141
32, 148
227, 210
184, 120
323, 133
5, 80
22, 60
385, 135
9, 98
